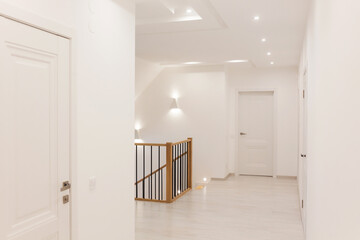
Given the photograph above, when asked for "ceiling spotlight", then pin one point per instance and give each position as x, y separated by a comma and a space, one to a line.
272, 63
237, 61
189, 10
263, 40
192, 63
256, 18
268, 53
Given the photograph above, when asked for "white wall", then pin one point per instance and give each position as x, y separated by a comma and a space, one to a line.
284, 80
102, 112
332, 53
202, 96
105, 119
146, 72
207, 99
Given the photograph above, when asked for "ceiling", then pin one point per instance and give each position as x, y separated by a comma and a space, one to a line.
215, 31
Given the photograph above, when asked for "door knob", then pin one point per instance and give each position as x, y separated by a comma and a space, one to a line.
243, 134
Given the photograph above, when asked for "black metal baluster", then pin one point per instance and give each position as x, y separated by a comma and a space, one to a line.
178, 169
175, 163
159, 152
184, 160
161, 184
187, 165
181, 170
155, 186
151, 175
184, 164
136, 170
174, 177
173, 170
179, 190
143, 172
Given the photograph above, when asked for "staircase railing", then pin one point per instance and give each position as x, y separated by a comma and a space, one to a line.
163, 171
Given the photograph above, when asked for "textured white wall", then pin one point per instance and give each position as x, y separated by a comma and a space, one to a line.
104, 96
332, 53
284, 80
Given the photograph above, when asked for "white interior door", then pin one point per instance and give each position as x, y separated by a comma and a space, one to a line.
256, 136
34, 133
303, 159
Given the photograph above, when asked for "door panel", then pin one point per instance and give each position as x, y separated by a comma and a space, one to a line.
34, 126
256, 133
303, 148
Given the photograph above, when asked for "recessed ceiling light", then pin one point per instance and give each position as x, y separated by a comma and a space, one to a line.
272, 63
263, 40
237, 61
256, 18
268, 53
192, 63
189, 10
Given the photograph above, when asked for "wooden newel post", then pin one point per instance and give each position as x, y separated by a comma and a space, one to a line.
190, 162
169, 177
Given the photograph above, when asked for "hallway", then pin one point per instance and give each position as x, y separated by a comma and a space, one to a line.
240, 208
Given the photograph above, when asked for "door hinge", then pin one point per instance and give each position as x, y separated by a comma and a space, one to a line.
303, 93
302, 203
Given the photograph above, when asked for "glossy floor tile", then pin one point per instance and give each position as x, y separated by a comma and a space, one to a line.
240, 208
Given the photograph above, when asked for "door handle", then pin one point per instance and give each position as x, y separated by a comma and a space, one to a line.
243, 134
65, 186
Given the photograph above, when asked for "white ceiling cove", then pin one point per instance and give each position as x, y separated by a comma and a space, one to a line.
216, 31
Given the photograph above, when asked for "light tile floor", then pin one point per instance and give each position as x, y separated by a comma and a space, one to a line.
240, 208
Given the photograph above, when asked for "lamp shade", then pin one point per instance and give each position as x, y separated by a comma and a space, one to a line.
174, 104
137, 134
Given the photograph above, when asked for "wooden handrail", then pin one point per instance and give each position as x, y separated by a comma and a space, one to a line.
149, 175
180, 156
151, 144
185, 141
175, 185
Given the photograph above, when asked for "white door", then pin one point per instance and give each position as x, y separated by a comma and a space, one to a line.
34, 133
303, 159
256, 123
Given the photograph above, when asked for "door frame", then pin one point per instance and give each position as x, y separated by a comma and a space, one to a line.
275, 118
303, 103
28, 18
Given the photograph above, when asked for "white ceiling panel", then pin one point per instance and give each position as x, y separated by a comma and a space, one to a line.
220, 30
